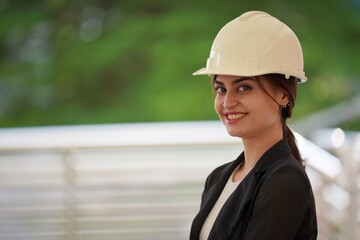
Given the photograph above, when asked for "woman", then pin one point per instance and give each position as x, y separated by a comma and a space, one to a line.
255, 64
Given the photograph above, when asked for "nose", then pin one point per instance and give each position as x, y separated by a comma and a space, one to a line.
230, 101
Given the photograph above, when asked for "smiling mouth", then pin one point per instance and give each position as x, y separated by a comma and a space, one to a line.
235, 116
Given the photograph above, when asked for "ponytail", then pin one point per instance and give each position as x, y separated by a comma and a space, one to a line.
290, 86
290, 137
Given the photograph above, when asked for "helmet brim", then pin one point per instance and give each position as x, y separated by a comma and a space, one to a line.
202, 71
205, 71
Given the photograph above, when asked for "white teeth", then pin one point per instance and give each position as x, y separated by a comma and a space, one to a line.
235, 116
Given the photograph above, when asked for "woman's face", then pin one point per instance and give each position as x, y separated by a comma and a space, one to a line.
245, 109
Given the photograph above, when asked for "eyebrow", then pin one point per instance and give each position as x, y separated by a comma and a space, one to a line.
238, 80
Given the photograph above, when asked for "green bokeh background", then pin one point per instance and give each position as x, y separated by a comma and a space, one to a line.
66, 62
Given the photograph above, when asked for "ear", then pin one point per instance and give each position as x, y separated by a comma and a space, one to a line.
284, 98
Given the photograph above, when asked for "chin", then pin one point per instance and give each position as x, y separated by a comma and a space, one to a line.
233, 133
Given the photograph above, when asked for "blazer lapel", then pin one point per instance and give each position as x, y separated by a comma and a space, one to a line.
213, 194
234, 209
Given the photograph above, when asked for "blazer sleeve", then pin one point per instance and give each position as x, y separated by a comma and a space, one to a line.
283, 202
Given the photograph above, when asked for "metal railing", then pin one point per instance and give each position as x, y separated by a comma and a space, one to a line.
126, 181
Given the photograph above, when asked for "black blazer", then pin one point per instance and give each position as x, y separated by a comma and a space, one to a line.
273, 202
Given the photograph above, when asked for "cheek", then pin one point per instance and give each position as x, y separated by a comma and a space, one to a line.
271, 111
218, 105
266, 107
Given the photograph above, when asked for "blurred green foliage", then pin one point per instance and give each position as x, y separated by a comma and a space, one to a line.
106, 61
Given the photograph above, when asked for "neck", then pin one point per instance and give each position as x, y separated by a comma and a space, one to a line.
254, 148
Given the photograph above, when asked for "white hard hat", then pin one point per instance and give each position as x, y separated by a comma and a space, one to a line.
255, 44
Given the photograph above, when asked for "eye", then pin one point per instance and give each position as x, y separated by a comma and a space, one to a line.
219, 89
244, 88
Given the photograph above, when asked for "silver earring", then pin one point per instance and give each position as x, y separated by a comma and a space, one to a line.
286, 105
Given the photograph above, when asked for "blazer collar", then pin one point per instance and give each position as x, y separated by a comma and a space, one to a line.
272, 156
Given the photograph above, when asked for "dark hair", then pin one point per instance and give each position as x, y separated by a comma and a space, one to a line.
290, 87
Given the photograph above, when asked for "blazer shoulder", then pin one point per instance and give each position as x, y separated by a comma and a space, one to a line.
288, 163
289, 170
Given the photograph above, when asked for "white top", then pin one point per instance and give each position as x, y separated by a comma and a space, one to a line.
226, 192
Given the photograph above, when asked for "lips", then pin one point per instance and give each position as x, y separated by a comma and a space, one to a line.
234, 117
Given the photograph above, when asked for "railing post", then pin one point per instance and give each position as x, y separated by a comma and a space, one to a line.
350, 182
70, 203
354, 193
